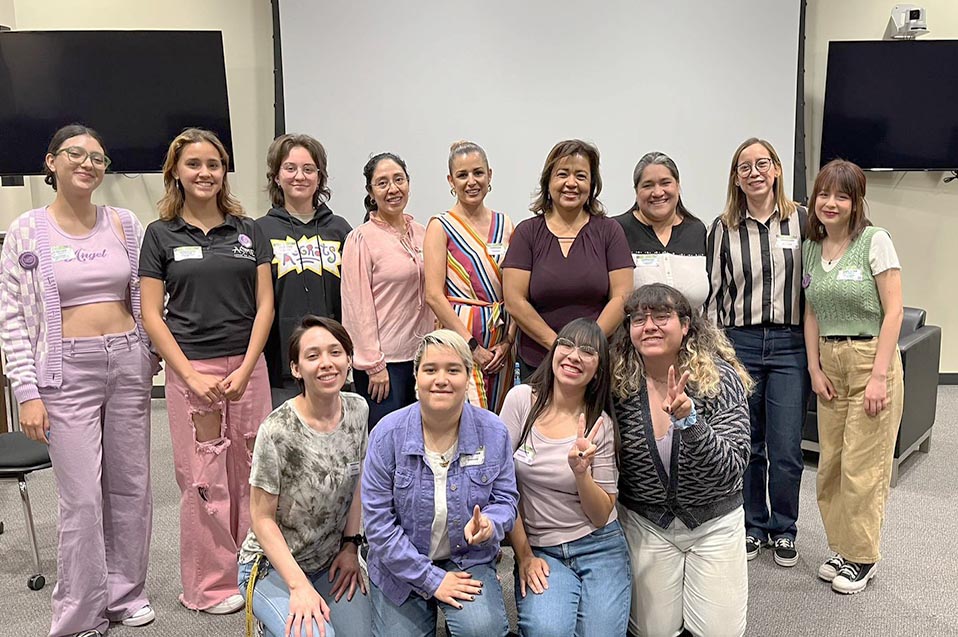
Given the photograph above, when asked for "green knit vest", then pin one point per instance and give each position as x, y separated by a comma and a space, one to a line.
844, 305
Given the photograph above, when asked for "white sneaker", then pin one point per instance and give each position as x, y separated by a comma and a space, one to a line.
229, 605
141, 617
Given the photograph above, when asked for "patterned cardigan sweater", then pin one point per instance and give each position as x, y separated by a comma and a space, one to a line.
708, 459
30, 317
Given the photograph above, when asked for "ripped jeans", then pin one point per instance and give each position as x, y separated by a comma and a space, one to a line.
212, 471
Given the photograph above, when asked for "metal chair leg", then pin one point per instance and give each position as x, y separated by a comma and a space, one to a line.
28, 515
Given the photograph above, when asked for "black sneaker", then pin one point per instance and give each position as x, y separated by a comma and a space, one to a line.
90, 633
753, 546
785, 553
829, 570
853, 578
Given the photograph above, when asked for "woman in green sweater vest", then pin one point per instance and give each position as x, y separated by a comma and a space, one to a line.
853, 316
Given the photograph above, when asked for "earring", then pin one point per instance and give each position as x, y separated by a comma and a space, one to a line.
490, 187
452, 191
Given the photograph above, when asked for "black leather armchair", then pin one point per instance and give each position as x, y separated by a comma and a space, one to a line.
920, 347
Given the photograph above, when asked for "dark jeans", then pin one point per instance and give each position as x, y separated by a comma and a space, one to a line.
402, 390
775, 358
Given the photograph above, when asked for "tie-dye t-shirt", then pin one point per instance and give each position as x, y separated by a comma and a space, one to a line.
314, 474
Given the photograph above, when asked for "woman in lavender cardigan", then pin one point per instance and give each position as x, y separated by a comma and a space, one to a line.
439, 494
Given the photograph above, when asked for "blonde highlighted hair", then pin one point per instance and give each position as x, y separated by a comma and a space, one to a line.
171, 205
701, 348
448, 339
736, 205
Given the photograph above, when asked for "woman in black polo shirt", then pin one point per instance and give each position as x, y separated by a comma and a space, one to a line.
667, 241
214, 264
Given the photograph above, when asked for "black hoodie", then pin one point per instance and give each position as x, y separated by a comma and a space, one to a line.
307, 259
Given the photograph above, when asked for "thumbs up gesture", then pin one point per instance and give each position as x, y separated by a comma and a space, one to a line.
478, 528
676, 401
583, 450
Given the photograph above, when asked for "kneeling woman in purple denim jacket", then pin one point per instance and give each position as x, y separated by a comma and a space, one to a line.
439, 494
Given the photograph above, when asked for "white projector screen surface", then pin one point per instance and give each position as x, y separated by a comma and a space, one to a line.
689, 78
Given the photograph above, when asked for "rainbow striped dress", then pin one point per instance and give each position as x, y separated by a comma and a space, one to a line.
474, 289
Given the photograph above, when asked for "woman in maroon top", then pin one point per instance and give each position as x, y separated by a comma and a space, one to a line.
569, 261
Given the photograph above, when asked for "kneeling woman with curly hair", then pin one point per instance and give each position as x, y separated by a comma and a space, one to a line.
681, 400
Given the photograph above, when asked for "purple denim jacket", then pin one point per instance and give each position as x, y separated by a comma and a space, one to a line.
398, 492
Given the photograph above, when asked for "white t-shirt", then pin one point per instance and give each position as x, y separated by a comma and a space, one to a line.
881, 255
439, 538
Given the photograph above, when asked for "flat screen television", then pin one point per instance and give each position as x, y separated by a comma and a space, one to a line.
138, 89
892, 105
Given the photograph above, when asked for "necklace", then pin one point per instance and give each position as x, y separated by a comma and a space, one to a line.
837, 253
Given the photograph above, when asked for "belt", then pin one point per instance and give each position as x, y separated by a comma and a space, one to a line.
859, 337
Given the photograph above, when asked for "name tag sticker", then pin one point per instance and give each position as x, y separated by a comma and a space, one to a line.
786, 242
850, 274
352, 469
525, 454
62, 253
645, 260
495, 249
183, 253
472, 459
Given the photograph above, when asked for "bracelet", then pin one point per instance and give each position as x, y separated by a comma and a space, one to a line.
358, 540
688, 421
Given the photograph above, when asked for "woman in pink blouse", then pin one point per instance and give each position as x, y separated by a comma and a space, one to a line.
384, 307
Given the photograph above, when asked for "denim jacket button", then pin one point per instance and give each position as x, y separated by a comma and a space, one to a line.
484, 479
453, 487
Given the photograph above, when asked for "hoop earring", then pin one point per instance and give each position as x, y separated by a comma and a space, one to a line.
490, 188
452, 191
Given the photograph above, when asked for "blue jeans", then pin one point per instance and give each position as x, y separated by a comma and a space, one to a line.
402, 390
590, 587
271, 605
416, 617
775, 358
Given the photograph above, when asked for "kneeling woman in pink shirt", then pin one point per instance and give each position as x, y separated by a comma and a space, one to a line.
384, 306
572, 561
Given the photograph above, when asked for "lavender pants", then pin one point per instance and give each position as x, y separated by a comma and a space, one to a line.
100, 448
213, 476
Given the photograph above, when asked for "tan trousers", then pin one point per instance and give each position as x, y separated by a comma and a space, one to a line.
854, 465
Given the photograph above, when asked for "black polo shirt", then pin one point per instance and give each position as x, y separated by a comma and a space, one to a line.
210, 280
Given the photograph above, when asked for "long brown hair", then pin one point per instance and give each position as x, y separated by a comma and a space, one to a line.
841, 176
569, 148
171, 205
736, 204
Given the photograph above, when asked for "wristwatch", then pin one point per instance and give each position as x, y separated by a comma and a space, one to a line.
473, 344
358, 540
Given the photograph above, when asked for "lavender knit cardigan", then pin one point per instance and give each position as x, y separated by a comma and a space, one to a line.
30, 318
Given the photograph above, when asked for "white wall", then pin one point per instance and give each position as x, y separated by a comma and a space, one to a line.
247, 40
918, 209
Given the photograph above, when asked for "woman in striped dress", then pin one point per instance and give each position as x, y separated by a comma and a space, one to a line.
462, 251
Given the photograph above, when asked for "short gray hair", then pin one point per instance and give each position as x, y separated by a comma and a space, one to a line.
448, 339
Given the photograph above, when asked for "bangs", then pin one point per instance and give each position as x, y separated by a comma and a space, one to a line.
658, 297
840, 176
585, 332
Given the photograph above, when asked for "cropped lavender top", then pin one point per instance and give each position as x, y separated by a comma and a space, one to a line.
94, 268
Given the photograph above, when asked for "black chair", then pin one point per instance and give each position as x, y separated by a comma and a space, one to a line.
920, 347
19, 457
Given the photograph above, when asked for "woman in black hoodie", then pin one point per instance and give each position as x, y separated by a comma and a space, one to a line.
307, 241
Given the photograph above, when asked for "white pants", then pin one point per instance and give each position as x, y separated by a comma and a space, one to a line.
692, 578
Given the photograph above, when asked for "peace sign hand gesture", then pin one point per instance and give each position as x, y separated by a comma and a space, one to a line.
583, 450
676, 402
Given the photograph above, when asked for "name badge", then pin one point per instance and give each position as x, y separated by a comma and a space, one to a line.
495, 249
62, 253
850, 274
786, 242
525, 454
472, 459
352, 469
183, 253
645, 260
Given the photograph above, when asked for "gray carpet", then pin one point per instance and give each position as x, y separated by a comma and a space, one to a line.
915, 592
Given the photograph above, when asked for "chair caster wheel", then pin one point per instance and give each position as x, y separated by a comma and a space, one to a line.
1, 528
36, 582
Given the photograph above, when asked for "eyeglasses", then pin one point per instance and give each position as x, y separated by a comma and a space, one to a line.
291, 169
383, 184
77, 155
566, 346
660, 319
762, 165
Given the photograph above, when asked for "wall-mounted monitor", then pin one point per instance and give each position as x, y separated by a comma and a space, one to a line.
138, 89
892, 105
